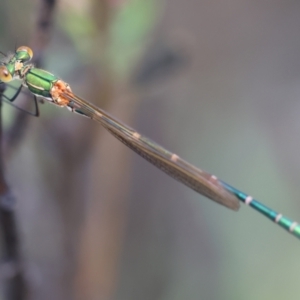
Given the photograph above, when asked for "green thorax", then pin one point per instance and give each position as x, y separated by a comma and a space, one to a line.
39, 82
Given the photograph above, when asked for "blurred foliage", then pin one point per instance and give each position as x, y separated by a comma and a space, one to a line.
130, 23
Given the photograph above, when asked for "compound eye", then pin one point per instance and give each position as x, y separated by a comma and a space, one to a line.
24, 53
5, 76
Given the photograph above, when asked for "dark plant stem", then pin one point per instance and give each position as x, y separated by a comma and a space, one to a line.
11, 268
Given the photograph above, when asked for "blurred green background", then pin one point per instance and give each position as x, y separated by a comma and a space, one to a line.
216, 82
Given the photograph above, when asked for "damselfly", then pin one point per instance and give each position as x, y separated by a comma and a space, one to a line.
47, 86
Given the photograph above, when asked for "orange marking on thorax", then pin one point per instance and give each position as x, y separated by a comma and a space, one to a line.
18, 66
60, 87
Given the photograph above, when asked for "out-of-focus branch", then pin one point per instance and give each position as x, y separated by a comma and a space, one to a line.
11, 269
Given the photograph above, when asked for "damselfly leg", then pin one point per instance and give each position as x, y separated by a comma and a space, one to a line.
11, 99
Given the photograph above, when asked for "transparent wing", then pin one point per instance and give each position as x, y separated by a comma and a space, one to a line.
198, 180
